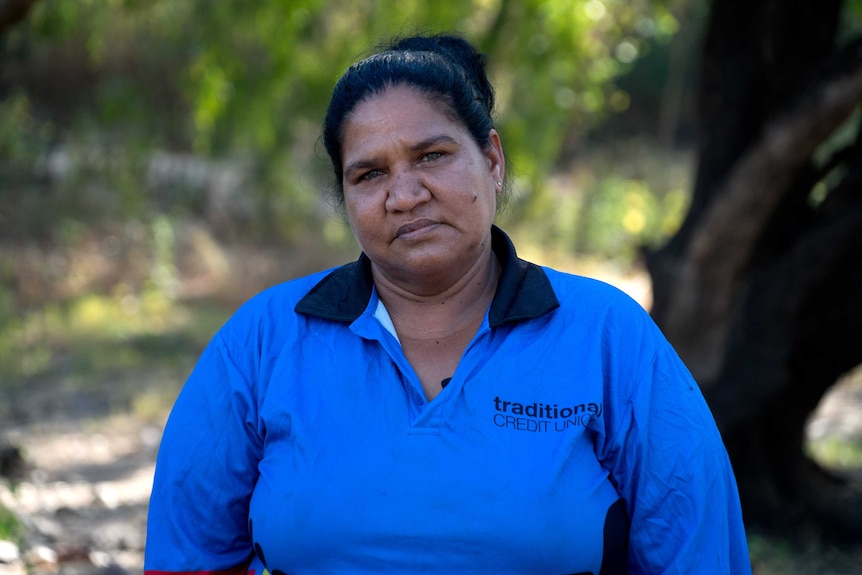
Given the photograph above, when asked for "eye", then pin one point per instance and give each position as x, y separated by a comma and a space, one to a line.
370, 175
431, 156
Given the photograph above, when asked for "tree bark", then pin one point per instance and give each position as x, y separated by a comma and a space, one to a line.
759, 289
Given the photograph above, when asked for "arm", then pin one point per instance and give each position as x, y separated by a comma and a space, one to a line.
667, 459
206, 471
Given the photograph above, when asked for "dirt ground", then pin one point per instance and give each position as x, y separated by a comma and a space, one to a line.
84, 496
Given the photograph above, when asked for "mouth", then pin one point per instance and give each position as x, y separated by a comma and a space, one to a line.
415, 228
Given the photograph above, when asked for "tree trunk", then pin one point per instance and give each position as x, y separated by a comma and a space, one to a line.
759, 289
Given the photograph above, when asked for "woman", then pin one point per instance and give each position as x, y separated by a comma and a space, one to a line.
439, 405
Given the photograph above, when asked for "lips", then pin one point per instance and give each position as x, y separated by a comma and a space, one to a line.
413, 226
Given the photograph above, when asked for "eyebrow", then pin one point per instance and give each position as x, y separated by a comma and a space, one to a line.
432, 141
417, 147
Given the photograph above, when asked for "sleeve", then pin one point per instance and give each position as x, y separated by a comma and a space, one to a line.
665, 455
206, 470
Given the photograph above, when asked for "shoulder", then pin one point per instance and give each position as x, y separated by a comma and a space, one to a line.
279, 300
269, 317
253, 339
624, 328
589, 295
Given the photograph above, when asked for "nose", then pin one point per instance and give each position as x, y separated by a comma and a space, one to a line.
406, 191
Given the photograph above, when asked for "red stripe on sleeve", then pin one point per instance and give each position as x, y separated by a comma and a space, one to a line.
239, 570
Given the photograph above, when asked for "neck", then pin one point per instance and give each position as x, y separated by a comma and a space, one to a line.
435, 314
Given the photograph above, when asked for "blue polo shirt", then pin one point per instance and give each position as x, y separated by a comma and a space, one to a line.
570, 439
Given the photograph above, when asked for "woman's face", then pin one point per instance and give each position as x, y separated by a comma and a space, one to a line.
420, 194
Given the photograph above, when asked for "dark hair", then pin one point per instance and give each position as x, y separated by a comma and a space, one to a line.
445, 67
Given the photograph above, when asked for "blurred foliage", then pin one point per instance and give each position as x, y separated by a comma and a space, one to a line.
102, 355
837, 452
851, 20
36, 342
11, 528
232, 95
834, 436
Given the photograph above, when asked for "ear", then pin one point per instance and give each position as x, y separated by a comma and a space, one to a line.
496, 159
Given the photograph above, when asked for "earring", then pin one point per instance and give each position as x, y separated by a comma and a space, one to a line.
499, 184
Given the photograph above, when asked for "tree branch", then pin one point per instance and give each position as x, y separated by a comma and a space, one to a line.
706, 288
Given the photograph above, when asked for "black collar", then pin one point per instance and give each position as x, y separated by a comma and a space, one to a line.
524, 291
